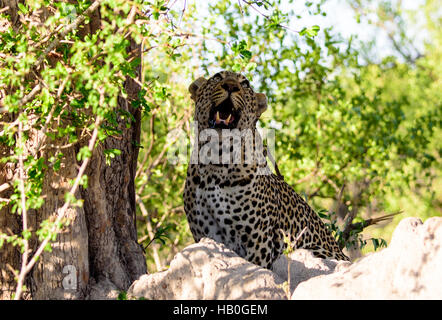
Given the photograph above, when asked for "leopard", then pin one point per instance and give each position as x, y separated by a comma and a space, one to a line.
240, 201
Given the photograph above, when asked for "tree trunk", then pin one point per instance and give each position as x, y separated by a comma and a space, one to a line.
97, 253
109, 204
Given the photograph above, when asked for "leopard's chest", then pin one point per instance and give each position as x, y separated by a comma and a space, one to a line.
226, 213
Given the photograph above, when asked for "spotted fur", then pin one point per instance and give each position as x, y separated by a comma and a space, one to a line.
234, 204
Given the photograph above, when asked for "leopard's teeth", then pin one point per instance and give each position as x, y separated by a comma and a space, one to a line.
228, 119
217, 119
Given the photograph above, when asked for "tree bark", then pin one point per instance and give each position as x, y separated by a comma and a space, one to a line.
110, 205
97, 254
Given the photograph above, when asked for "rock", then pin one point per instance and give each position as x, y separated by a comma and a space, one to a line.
103, 290
208, 270
303, 266
410, 268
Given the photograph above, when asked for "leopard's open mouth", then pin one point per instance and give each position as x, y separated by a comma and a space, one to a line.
224, 115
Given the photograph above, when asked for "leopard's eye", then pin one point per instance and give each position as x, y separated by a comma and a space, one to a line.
245, 84
217, 77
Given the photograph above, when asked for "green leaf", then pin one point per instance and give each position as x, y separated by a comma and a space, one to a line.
110, 154
122, 295
23, 8
84, 181
246, 54
310, 32
26, 234
84, 153
236, 67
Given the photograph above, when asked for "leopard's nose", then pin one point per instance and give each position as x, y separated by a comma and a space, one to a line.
230, 85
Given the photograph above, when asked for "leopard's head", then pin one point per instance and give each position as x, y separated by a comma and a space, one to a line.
226, 101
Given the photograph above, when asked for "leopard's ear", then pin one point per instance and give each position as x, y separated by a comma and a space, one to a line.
262, 103
193, 88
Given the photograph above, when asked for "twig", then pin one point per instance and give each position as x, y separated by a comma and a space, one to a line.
49, 117
273, 161
149, 150
182, 12
24, 214
52, 46
66, 30
325, 180
31, 94
156, 256
267, 17
291, 248
364, 224
160, 157
4, 186
240, 8
26, 267
308, 176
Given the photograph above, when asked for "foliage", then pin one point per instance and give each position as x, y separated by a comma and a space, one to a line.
351, 133
359, 136
59, 91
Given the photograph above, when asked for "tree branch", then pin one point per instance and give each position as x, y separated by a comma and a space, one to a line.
27, 267
24, 214
66, 30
